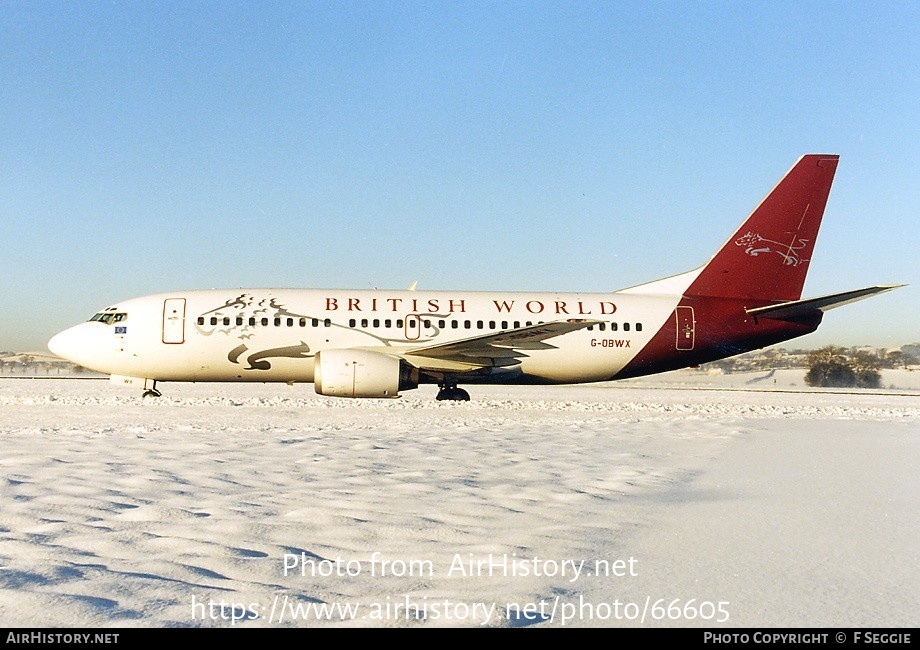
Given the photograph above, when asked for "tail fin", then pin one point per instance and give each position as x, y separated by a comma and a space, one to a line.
767, 258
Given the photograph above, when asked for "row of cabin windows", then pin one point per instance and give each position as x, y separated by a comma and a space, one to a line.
412, 323
479, 324
239, 320
442, 324
614, 327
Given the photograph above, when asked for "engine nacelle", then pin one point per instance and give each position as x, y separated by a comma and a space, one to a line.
360, 373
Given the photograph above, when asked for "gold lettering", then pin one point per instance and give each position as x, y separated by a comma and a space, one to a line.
353, 304
535, 310
331, 304
608, 308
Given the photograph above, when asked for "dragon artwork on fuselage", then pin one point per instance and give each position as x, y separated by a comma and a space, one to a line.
238, 317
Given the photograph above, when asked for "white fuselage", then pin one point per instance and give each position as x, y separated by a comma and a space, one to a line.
273, 334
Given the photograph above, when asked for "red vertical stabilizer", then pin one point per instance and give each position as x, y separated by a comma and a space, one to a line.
767, 258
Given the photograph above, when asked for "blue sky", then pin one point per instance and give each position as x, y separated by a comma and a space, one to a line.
564, 146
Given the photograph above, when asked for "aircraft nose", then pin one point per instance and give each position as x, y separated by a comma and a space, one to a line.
65, 344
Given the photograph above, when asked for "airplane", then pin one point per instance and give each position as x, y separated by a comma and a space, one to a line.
376, 343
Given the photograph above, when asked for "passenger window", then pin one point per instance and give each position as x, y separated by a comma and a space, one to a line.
602, 326
201, 320
387, 322
638, 327
363, 322
264, 322
213, 320
613, 327
352, 322
315, 322
252, 321
327, 322
376, 322
226, 320
625, 327
239, 320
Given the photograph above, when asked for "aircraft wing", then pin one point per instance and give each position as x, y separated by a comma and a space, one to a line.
800, 308
504, 348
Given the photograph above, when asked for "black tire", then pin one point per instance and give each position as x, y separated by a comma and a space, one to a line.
453, 394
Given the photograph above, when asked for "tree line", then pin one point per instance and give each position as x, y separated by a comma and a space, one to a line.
836, 367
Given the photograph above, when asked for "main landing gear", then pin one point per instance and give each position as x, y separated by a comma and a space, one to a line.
153, 392
452, 393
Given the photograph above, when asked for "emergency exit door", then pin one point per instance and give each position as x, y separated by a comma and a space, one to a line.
686, 328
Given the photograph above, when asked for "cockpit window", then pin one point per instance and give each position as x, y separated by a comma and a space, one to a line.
109, 317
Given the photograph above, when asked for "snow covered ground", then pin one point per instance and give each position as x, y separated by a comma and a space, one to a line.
639, 503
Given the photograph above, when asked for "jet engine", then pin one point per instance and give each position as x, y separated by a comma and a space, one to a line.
361, 373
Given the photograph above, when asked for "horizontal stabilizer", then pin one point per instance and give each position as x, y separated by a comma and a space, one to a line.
802, 308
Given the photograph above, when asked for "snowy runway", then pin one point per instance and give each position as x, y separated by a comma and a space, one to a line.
257, 505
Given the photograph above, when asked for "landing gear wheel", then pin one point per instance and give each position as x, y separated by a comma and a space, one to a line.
452, 393
153, 392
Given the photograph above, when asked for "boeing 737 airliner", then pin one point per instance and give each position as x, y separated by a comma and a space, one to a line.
377, 343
